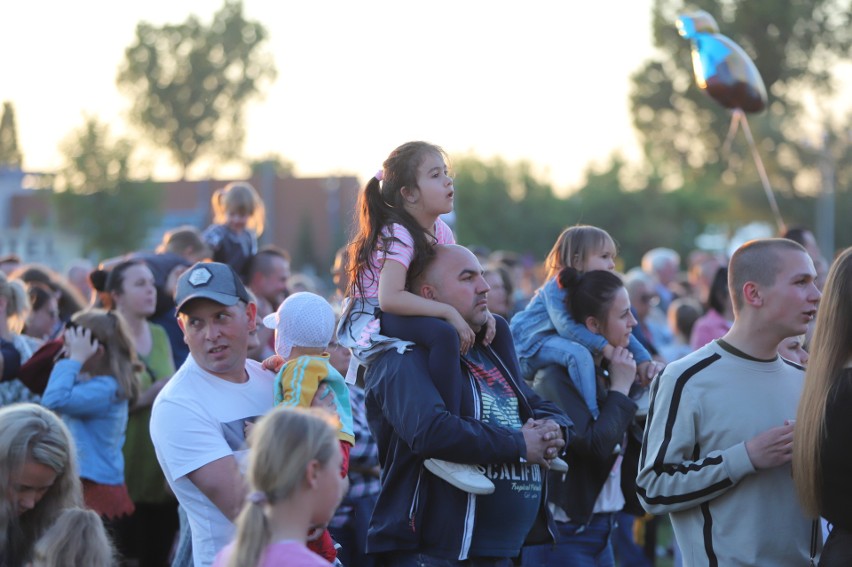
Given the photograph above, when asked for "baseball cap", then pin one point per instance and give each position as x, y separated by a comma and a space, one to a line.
304, 319
210, 280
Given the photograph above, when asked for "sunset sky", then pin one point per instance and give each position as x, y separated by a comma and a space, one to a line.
541, 81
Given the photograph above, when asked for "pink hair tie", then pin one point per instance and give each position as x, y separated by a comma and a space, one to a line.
257, 498
380, 174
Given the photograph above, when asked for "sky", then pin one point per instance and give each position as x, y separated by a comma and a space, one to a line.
547, 82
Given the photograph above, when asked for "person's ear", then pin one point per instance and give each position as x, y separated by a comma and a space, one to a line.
251, 313
409, 195
752, 294
312, 473
428, 291
592, 324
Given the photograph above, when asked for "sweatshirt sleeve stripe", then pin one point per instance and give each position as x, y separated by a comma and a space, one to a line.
659, 462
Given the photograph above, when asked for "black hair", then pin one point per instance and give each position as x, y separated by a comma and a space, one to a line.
589, 294
719, 295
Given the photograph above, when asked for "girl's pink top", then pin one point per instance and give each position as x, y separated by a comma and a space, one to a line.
279, 554
400, 250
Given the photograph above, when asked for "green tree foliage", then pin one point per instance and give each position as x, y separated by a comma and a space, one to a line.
96, 199
189, 83
794, 44
504, 207
10, 154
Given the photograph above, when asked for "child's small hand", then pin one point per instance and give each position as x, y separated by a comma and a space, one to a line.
648, 370
466, 334
79, 344
490, 329
247, 429
273, 363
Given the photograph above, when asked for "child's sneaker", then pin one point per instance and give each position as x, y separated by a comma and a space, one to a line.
464, 477
558, 465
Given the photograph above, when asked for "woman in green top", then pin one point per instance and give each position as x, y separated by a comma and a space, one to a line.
148, 535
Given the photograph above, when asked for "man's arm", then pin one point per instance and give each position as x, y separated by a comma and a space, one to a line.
406, 395
221, 482
672, 477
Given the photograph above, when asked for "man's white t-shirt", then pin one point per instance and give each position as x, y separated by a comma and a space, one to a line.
196, 419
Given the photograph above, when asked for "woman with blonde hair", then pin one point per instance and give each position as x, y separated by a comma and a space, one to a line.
38, 477
78, 538
294, 472
822, 463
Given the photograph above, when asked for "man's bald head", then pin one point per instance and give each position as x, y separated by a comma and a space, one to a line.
454, 276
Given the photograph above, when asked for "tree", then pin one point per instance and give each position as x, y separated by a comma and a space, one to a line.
504, 207
794, 44
189, 83
10, 154
96, 199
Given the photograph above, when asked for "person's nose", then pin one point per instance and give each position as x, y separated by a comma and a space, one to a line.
26, 501
815, 294
804, 357
212, 332
483, 285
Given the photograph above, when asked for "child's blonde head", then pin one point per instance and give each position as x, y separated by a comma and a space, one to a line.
241, 198
77, 537
574, 247
120, 360
17, 302
284, 443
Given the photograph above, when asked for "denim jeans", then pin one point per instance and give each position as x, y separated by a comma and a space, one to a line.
415, 559
590, 547
577, 361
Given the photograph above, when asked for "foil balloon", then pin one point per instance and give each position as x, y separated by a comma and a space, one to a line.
722, 69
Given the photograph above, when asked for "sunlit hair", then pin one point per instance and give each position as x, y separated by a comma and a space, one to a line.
77, 537
284, 443
590, 294
381, 204
17, 302
574, 246
109, 283
184, 240
241, 198
29, 432
70, 298
757, 261
120, 360
831, 350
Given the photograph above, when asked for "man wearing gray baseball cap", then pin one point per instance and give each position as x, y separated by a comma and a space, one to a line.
199, 418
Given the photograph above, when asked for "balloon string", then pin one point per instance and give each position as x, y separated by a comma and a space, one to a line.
764, 179
732, 131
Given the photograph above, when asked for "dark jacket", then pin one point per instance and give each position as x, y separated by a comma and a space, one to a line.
416, 510
592, 451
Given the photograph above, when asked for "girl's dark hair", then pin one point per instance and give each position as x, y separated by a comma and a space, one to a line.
70, 300
40, 294
590, 294
381, 204
719, 294
107, 282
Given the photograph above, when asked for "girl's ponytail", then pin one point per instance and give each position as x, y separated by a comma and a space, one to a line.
373, 213
253, 535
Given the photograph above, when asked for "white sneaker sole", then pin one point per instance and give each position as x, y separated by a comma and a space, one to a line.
476, 486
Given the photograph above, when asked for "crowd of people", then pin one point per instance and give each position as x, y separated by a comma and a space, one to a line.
442, 405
